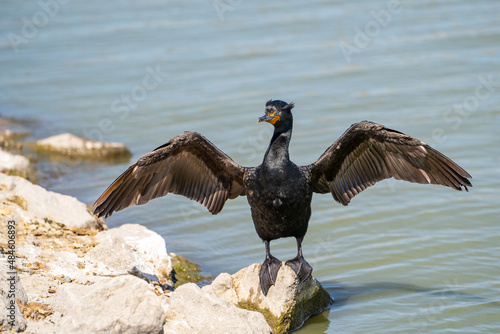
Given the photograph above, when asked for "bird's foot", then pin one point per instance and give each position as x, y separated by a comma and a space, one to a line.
268, 272
300, 267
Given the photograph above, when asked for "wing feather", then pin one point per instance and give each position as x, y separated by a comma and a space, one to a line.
369, 152
187, 165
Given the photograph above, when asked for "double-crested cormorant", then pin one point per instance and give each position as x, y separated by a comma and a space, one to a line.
279, 192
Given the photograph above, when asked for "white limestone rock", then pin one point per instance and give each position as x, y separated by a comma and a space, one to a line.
13, 162
33, 202
192, 310
131, 249
123, 304
71, 145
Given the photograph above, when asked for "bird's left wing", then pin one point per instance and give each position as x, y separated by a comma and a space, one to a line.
368, 152
188, 165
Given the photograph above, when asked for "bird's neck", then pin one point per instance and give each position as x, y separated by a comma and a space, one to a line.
277, 152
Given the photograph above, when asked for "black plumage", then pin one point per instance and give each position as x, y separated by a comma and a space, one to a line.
279, 192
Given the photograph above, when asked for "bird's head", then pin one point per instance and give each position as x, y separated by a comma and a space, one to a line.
278, 113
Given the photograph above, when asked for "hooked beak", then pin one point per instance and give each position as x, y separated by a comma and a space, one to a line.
265, 118
269, 119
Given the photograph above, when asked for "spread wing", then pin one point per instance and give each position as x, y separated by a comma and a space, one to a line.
188, 165
368, 152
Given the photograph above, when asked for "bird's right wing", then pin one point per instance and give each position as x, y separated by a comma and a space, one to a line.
188, 165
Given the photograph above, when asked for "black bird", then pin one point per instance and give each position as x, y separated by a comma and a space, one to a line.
279, 192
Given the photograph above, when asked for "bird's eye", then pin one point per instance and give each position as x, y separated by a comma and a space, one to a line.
275, 113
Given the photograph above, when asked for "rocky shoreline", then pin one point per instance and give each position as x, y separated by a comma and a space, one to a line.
63, 271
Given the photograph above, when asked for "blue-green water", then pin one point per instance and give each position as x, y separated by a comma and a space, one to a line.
401, 258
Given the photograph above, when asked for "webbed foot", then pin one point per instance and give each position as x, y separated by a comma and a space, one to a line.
268, 272
300, 267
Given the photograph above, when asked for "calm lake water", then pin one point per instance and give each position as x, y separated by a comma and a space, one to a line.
401, 258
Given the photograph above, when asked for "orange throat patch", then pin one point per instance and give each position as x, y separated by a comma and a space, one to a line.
274, 119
